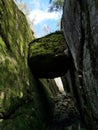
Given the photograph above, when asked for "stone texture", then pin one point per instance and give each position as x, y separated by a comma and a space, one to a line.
47, 56
14, 74
80, 26
71, 24
90, 55
65, 113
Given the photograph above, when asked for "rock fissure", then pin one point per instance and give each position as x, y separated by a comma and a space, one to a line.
29, 97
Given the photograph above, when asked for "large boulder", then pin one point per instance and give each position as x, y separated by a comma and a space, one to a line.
25, 102
48, 56
80, 26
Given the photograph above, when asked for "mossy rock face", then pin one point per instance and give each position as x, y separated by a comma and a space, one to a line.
47, 58
21, 104
15, 35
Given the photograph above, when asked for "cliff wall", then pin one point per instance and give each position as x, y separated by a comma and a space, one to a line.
25, 102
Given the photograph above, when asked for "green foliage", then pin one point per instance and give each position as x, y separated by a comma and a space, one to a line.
56, 5
23, 7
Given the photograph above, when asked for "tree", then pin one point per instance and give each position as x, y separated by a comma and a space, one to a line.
56, 5
23, 6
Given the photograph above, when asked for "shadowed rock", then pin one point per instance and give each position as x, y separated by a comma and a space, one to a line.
47, 56
80, 27
65, 113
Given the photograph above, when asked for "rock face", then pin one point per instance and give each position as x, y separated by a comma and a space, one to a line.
23, 104
80, 26
26, 102
13, 54
47, 56
65, 113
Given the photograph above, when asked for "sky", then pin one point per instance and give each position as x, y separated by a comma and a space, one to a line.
41, 20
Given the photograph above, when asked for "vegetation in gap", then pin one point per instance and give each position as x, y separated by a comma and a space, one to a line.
56, 5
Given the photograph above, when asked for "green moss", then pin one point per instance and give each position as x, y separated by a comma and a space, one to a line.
22, 104
51, 44
15, 34
2, 46
14, 30
30, 113
26, 118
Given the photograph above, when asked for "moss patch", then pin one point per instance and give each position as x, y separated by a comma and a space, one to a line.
15, 35
51, 44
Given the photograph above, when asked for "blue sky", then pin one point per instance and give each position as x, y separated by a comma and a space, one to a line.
41, 20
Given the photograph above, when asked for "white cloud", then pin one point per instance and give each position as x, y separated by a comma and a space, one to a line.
38, 16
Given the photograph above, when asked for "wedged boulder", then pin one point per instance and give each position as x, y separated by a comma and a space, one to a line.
25, 102
48, 56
